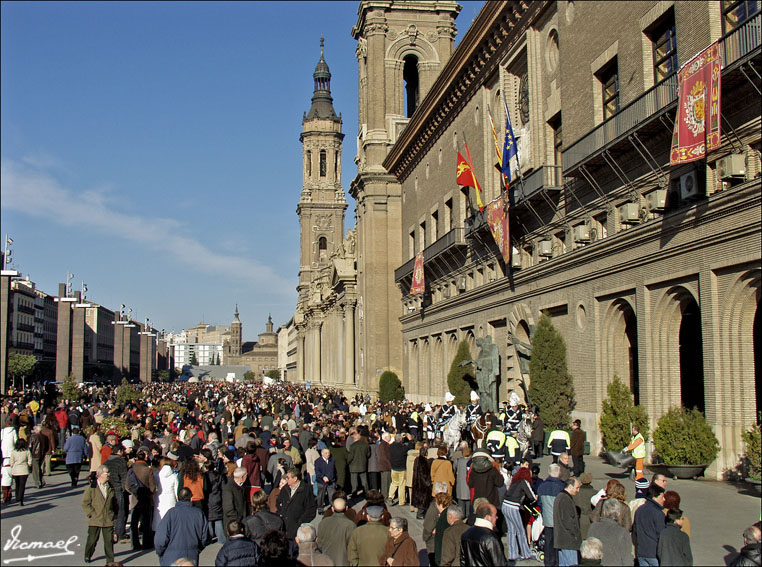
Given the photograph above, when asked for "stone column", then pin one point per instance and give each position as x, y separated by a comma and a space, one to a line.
118, 348
5, 294
63, 336
349, 344
78, 341
318, 352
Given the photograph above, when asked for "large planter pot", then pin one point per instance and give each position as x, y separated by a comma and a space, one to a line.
680, 471
754, 485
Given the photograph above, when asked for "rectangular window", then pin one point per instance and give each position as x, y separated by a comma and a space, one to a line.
609, 78
555, 124
434, 225
448, 215
664, 47
736, 12
336, 165
423, 235
412, 244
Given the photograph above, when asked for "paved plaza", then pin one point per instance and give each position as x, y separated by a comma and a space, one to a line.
718, 512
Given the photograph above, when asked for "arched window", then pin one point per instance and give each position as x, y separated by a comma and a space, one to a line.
410, 78
322, 243
308, 159
323, 165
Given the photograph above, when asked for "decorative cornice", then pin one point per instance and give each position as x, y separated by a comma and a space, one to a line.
498, 26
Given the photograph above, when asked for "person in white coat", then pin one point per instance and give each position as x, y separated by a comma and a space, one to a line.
165, 497
8, 438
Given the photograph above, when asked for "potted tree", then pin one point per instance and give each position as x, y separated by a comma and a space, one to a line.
752, 438
685, 443
619, 413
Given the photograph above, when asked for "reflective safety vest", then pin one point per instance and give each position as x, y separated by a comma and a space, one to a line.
639, 452
414, 417
559, 435
372, 418
512, 445
496, 435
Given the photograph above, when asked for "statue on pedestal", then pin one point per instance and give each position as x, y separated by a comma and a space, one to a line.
487, 368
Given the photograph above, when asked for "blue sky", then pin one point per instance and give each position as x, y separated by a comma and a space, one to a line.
152, 149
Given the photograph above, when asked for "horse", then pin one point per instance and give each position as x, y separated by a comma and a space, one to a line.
452, 431
479, 430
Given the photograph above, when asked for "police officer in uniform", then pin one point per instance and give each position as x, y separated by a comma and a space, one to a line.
429, 425
473, 413
414, 424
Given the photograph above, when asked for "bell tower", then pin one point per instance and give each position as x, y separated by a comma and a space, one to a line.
322, 202
401, 48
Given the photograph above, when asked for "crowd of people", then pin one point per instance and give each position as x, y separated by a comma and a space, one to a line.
250, 466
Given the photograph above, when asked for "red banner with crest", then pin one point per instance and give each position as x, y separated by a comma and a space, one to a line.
497, 219
697, 123
418, 285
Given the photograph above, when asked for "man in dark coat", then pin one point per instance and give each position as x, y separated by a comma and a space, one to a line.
359, 453
182, 533
296, 503
452, 536
117, 466
751, 552
334, 532
37, 443
566, 531
485, 479
577, 448
480, 545
674, 547
142, 503
616, 540
234, 492
238, 550
98, 505
648, 524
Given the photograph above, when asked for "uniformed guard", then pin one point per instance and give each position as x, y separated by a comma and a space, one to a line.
429, 425
446, 413
495, 443
473, 410
512, 452
513, 415
558, 442
414, 424
638, 447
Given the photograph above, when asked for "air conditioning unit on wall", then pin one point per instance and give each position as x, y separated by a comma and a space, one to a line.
581, 233
515, 258
733, 165
656, 200
629, 213
545, 248
689, 187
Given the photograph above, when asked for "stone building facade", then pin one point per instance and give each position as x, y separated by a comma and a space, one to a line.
324, 321
649, 272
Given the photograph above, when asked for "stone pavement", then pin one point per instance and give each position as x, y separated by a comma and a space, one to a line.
718, 512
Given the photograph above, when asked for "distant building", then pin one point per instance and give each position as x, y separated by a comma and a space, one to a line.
261, 355
206, 354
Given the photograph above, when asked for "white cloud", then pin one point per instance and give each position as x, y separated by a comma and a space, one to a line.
28, 189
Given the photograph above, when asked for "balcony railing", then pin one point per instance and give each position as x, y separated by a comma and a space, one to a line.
455, 237
733, 46
639, 110
547, 176
742, 40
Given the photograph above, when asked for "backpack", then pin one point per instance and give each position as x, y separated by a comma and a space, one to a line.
133, 482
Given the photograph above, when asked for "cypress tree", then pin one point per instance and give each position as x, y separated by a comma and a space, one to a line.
459, 378
552, 387
390, 388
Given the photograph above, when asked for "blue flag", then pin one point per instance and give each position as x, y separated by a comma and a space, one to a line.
509, 147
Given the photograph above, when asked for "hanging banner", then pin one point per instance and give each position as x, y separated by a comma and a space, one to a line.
418, 285
697, 123
497, 219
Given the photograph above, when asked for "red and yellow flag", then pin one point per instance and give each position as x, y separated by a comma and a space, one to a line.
465, 175
418, 286
697, 124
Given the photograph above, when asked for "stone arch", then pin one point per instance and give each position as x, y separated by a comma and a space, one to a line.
424, 369
412, 384
521, 325
665, 390
421, 49
619, 347
737, 349
468, 336
438, 375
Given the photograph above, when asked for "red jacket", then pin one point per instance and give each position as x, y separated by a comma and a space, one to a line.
62, 418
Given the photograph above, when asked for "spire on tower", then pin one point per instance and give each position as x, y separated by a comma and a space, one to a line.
322, 101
